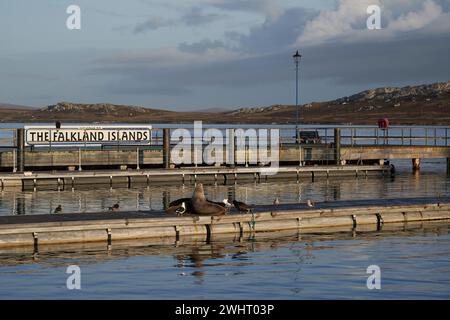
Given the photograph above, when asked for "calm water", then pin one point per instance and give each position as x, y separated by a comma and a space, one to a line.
431, 182
414, 261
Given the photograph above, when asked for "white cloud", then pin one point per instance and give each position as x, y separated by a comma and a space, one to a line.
335, 23
410, 21
347, 22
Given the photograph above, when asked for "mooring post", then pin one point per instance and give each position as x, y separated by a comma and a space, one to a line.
137, 159
230, 160
166, 148
165, 200
416, 164
448, 166
337, 146
20, 144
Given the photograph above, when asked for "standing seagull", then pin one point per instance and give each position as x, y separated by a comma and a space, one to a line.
309, 203
181, 210
227, 203
58, 209
276, 202
242, 207
114, 207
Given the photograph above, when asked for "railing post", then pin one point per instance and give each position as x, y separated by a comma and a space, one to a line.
79, 159
231, 152
446, 136
20, 145
166, 148
137, 158
337, 146
435, 137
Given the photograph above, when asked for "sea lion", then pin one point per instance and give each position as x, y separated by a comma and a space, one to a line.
203, 206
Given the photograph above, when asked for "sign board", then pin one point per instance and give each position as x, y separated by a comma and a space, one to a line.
82, 135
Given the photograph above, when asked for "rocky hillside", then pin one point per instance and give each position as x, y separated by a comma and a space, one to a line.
424, 104
382, 97
99, 108
390, 94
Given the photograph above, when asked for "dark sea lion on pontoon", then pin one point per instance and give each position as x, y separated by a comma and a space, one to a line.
203, 206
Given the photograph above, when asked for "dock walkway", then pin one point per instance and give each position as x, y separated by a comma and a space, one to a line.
71, 179
34, 230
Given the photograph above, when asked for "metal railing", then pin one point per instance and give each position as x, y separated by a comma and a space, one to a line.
320, 150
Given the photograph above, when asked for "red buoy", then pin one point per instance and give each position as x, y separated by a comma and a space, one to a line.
383, 123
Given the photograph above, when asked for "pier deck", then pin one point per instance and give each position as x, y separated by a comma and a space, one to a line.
71, 179
35, 230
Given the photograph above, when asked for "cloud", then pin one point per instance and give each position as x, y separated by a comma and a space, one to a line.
196, 17
201, 46
275, 34
410, 21
349, 16
152, 23
336, 46
267, 7
347, 22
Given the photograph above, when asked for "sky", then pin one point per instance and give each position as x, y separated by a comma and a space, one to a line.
194, 54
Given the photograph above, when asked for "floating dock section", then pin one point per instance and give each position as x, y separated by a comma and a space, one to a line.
35, 230
72, 179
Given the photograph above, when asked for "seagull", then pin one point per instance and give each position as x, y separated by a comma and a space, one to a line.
309, 203
276, 201
114, 207
181, 210
58, 209
227, 203
242, 207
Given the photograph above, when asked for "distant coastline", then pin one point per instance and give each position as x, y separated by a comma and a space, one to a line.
412, 105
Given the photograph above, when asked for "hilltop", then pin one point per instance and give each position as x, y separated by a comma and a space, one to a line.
424, 104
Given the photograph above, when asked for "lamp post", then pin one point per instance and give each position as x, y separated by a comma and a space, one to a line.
297, 57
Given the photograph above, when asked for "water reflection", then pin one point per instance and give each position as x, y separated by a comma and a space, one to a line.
285, 265
432, 181
147, 198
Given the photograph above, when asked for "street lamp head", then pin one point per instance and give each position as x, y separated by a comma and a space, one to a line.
297, 56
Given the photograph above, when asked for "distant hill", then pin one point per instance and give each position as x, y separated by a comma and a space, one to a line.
14, 106
425, 104
213, 110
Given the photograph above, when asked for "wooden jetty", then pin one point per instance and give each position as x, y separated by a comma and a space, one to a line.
222, 175
332, 151
199, 248
36, 230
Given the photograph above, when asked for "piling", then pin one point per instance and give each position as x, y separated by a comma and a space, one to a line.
166, 148
20, 145
337, 146
448, 166
416, 164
